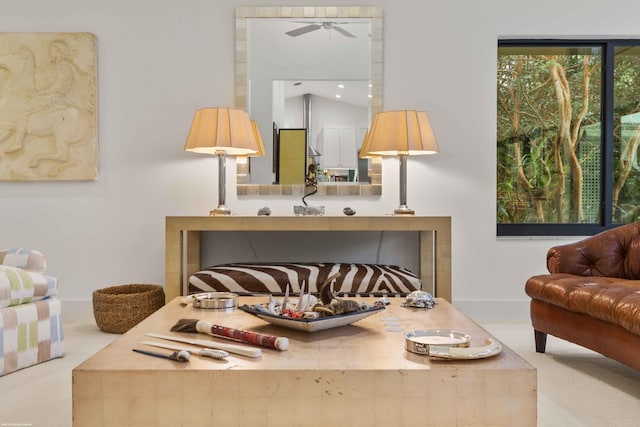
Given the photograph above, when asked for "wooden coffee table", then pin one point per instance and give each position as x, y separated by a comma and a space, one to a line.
357, 375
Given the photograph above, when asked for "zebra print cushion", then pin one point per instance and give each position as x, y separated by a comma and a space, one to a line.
272, 278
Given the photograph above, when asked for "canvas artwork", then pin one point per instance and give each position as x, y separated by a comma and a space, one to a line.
48, 107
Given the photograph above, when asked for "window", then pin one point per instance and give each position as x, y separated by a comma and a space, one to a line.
568, 135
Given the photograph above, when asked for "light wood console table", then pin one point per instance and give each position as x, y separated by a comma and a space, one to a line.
183, 241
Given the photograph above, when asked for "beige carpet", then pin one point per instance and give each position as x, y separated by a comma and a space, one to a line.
576, 387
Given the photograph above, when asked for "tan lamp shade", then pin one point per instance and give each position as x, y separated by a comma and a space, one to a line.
364, 149
222, 131
400, 132
261, 151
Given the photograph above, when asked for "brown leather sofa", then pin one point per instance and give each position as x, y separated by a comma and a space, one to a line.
592, 295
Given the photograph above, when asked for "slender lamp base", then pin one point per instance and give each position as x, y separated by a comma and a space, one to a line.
222, 209
403, 209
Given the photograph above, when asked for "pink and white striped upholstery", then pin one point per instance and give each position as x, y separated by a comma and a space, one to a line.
27, 259
30, 323
18, 286
29, 334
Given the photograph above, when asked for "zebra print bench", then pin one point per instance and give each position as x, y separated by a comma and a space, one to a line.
272, 278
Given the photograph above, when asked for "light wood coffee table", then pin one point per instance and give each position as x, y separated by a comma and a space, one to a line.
357, 375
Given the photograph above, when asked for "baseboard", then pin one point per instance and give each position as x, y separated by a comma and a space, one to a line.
76, 308
494, 310
76, 302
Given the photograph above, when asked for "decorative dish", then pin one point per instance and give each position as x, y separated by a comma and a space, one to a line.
310, 325
422, 341
215, 300
490, 349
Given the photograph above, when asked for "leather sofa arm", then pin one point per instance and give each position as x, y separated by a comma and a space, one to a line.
27, 259
611, 253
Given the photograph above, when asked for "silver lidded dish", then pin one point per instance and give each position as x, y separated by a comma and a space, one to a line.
215, 300
419, 341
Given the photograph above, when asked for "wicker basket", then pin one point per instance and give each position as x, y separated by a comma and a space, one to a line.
119, 308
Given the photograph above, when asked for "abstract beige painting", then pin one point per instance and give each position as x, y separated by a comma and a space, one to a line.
48, 107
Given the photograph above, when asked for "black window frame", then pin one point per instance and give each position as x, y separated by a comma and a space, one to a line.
606, 112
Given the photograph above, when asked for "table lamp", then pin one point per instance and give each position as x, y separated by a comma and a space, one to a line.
402, 134
222, 132
261, 151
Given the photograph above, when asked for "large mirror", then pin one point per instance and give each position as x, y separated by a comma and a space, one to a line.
312, 68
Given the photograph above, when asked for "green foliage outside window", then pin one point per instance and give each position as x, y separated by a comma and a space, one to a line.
550, 150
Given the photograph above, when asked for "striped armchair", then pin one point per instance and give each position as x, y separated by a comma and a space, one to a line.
30, 322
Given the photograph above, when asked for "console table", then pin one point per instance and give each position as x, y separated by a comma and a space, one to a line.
182, 257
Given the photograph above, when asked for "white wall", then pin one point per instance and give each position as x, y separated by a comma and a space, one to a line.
160, 60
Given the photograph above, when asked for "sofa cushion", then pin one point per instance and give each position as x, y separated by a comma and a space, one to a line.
28, 259
610, 299
18, 286
272, 278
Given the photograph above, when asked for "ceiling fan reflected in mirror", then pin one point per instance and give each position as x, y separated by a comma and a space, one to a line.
320, 25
